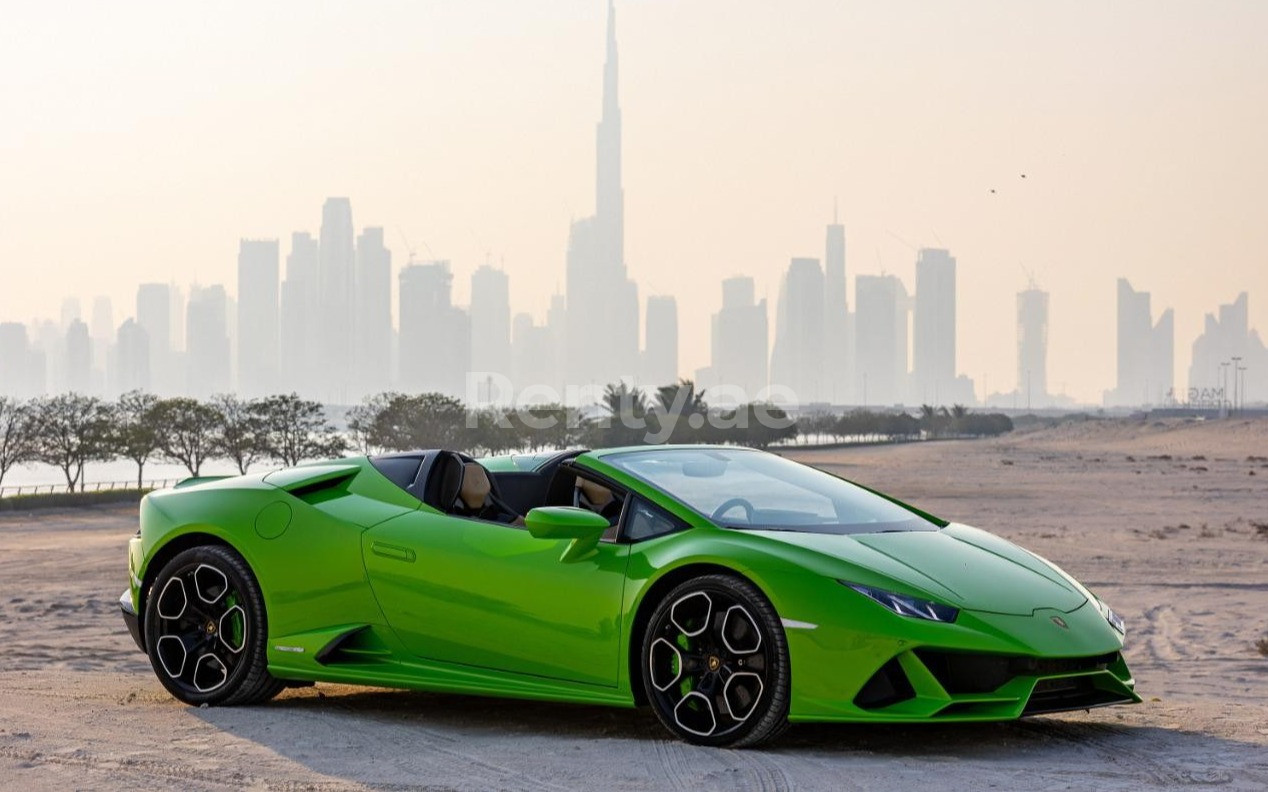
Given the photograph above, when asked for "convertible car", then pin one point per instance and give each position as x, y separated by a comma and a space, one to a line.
732, 590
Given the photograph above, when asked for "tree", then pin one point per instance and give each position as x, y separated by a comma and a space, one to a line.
425, 420
626, 420
239, 435
985, 424
71, 430
819, 423
490, 431
17, 434
296, 429
681, 397
361, 421
187, 431
675, 403
135, 432
755, 425
545, 426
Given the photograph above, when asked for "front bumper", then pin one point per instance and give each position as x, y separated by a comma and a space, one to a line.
130, 618
929, 684
871, 665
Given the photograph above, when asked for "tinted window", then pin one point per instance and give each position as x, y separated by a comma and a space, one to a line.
400, 470
646, 522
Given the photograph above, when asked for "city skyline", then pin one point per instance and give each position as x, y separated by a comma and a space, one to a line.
900, 346
1081, 285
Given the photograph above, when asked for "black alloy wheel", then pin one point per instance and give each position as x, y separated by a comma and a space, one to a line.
715, 663
205, 629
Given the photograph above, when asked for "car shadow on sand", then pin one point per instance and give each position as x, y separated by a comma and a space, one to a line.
399, 738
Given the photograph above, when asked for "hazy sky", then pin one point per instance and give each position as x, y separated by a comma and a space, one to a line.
140, 141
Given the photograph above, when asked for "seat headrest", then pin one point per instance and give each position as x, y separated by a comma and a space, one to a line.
475, 485
598, 495
443, 481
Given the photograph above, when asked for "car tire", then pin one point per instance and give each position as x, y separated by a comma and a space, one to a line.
206, 631
715, 663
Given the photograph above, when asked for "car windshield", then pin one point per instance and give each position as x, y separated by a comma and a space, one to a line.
747, 489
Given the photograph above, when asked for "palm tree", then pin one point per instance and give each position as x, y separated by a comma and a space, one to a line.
682, 398
620, 399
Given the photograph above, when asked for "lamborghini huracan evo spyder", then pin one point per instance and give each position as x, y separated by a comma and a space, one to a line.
731, 590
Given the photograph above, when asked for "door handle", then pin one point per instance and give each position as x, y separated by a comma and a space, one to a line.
395, 552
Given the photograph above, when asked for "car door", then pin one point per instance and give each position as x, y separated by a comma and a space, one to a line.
489, 594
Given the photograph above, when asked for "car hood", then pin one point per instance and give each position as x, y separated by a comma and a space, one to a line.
958, 565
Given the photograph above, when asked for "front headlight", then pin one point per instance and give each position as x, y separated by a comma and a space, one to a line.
1113, 618
904, 605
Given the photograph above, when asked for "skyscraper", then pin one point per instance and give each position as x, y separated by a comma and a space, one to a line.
101, 328
1146, 369
435, 336
1225, 336
660, 348
739, 341
933, 328
72, 311
880, 334
599, 293
797, 359
154, 313
17, 373
207, 341
491, 325
258, 317
1032, 347
298, 333
838, 347
77, 368
532, 364
557, 326
336, 289
176, 321
131, 369
373, 317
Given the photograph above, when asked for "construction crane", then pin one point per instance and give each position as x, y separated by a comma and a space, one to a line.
410, 248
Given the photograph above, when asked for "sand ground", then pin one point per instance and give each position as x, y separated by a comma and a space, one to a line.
1162, 520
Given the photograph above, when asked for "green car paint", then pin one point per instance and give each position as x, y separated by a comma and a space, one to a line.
363, 583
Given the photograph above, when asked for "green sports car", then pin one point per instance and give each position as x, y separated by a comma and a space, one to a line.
732, 590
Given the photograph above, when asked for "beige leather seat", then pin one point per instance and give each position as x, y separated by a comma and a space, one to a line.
596, 495
476, 487
476, 494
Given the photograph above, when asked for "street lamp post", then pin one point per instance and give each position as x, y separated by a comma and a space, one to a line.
1236, 367
1224, 389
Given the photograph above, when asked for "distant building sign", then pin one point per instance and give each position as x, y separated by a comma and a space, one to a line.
1197, 398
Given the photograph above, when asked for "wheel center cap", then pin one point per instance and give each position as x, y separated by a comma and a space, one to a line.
714, 662
211, 628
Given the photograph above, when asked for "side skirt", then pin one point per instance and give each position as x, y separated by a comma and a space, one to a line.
434, 677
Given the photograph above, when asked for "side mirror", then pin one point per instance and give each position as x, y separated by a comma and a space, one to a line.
582, 526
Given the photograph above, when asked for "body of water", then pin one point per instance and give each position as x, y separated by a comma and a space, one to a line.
118, 470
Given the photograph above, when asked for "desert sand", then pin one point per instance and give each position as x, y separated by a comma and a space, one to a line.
1167, 521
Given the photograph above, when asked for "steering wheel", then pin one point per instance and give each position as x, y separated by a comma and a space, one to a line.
730, 504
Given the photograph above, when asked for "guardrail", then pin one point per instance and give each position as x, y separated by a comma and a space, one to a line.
95, 486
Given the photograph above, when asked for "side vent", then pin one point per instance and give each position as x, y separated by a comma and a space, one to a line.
319, 491
887, 686
357, 646
315, 483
